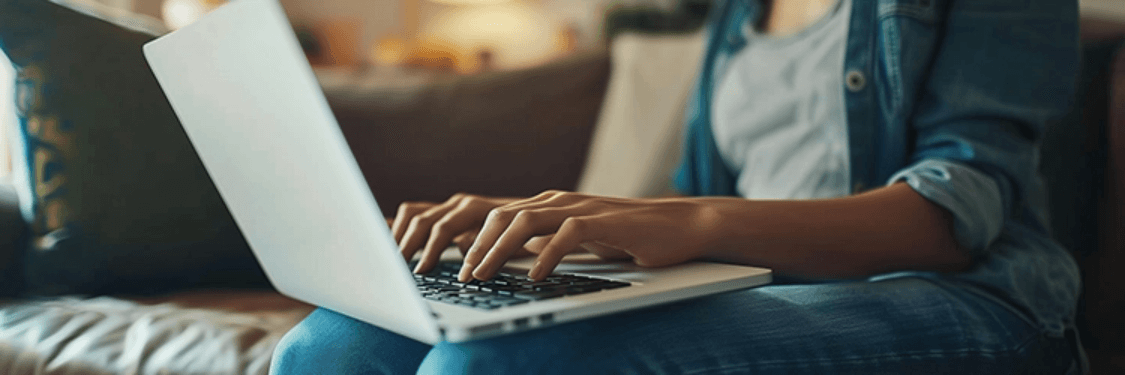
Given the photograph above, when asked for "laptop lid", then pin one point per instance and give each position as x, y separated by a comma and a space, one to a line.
253, 110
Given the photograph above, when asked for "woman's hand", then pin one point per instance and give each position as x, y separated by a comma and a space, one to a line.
652, 232
435, 225
884, 230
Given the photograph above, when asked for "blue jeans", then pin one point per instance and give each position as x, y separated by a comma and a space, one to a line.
894, 326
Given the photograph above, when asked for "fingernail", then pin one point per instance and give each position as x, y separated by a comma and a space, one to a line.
535, 270
466, 273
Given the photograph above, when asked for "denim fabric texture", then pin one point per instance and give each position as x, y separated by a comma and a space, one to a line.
951, 97
894, 326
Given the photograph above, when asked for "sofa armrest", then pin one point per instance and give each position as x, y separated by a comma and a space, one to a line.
1104, 276
12, 236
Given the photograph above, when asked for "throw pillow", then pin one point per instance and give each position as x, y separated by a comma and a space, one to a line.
637, 141
115, 197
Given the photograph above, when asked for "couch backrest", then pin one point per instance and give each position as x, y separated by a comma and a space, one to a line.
502, 134
1104, 307
1083, 162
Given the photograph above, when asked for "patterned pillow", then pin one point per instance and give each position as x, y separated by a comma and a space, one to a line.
115, 197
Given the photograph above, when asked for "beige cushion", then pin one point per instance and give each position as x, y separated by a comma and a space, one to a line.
636, 144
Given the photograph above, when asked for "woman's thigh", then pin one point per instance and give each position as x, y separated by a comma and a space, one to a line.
893, 326
890, 326
327, 342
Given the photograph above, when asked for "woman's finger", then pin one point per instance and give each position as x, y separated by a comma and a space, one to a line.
467, 215
494, 225
604, 251
536, 244
465, 240
501, 218
406, 212
546, 198
523, 227
420, 225
574, 231
503, 215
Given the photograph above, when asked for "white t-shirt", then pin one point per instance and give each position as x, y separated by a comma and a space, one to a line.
778, 112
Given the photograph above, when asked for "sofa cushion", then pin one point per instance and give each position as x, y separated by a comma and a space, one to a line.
115, 197
112, 336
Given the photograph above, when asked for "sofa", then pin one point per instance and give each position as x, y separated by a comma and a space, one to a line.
200, 305
95, 148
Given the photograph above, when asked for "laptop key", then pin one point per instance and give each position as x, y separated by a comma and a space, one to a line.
471, 295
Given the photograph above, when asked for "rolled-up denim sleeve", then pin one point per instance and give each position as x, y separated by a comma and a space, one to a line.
1003, 71
972, 198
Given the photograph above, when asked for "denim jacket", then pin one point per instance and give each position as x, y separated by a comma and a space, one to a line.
952, 98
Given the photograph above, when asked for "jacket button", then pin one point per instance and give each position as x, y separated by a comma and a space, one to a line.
855, 80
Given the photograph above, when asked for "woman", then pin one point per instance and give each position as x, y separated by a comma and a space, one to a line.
943, 266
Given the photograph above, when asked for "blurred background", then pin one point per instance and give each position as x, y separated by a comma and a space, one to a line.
419, 38
451, 36
491, 97
406, 45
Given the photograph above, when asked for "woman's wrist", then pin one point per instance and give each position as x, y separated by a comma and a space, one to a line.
723, 224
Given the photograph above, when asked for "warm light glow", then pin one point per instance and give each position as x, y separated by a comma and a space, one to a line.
389, 52
180, 13
517, 34
470, 2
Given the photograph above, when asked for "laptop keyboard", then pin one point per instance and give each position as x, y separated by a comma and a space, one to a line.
506, 289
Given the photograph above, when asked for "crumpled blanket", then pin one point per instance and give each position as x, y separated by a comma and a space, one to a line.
105, 335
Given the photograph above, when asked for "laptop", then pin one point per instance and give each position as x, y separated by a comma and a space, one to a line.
251, 106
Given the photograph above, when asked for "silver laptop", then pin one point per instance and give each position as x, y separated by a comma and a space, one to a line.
252, 108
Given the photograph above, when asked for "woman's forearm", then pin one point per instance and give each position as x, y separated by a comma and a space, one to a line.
892, 228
